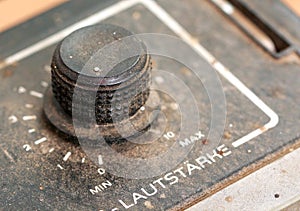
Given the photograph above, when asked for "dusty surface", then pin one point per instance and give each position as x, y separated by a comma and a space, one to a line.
39, 178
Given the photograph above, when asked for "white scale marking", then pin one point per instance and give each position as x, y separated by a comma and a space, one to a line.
12, 119
28, 105
27, 118
36, 94
47, 68
41, 140
66, 157
59, 166
175, 27
21, 90
32, 130
44, 84
82, 160
100, 160
51, 150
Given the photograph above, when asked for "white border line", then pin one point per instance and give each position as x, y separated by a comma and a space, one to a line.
52, 39
177, 29
182, 33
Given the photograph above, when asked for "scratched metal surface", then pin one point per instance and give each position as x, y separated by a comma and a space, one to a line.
31, 180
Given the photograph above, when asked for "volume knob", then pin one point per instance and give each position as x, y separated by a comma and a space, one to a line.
120, 93
129, 80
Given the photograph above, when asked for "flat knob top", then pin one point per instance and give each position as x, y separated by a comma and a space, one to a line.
85, 45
